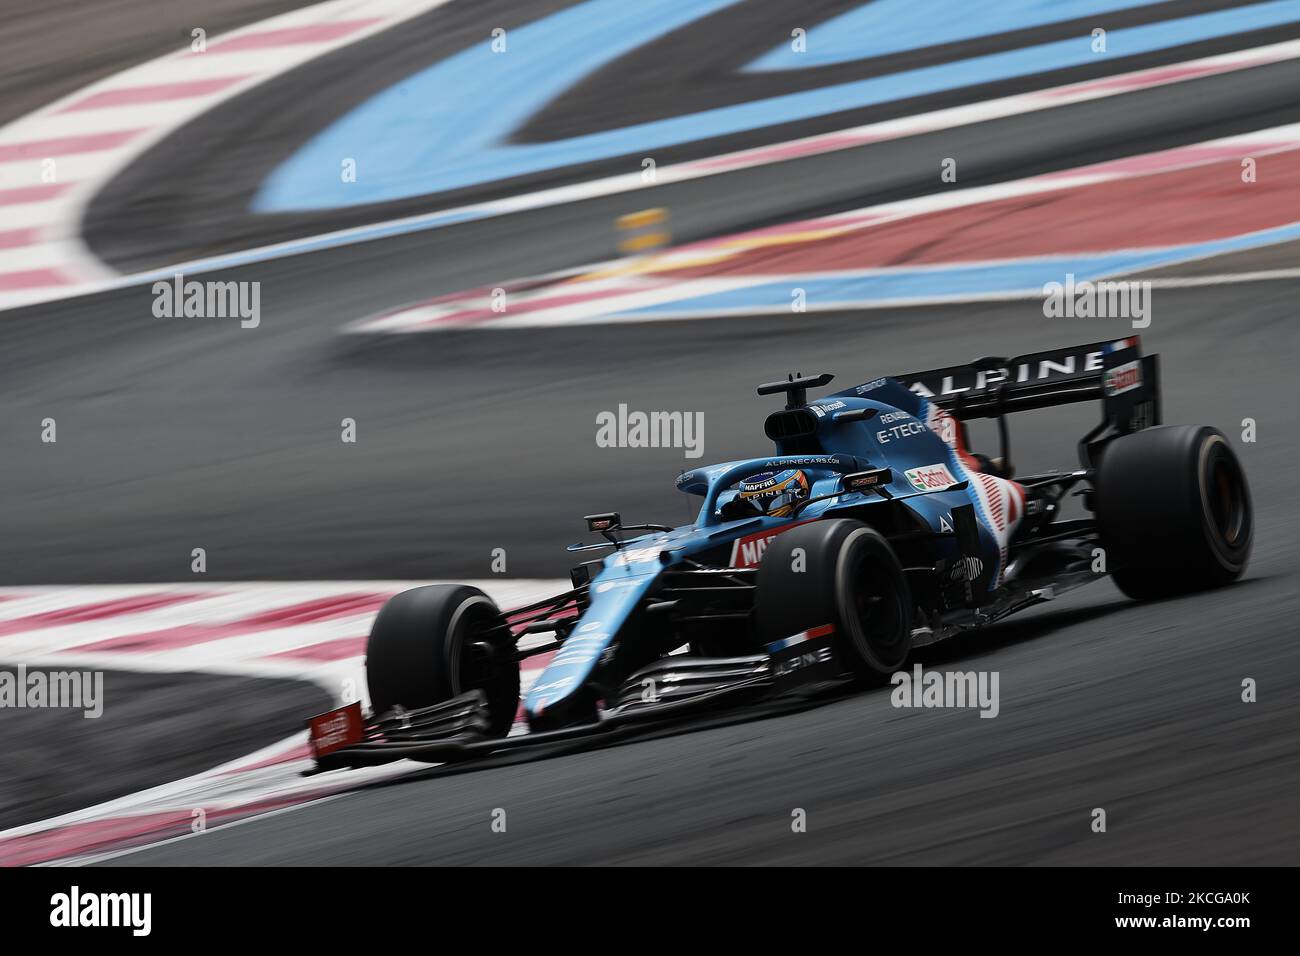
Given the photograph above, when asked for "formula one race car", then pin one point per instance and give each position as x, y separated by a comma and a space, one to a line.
872, 530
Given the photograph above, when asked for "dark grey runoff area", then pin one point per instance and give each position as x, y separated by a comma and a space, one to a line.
1105, 703
184, 433
154, 728
55, 47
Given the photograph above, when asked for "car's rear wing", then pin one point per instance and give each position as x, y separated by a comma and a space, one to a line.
1115, 371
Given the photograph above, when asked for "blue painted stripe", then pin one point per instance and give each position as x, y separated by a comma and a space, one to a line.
426, 133
896, 26
987, 279
447, 127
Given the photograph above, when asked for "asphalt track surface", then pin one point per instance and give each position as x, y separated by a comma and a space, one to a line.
195, 433
57, 760
175, 435
1105, 703
54, 47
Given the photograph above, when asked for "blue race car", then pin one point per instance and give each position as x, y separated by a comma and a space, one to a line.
873, 529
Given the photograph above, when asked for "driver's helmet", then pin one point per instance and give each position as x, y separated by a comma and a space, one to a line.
775, 493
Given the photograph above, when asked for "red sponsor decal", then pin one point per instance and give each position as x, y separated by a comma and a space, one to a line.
747, 552
1123, 378
336, 729
930, 477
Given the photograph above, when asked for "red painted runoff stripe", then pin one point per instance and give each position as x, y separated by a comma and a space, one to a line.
307, 612
86, 837
13, 238
538, 662
26, 194
33, 279
67, 145
156, 93
290, 36
98, 611
113, 833
1195, 204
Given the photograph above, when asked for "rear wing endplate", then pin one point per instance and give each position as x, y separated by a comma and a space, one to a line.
1115, 371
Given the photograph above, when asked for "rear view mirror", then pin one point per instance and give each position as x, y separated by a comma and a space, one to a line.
602, 524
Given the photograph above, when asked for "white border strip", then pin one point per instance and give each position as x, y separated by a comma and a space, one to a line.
59, 219
239, 783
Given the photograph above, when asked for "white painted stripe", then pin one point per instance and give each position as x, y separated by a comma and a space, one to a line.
43, 255
63, 215
1188, 282
19, 174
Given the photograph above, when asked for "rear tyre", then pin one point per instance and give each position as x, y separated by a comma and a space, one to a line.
433, 643
843, 573
1174, 511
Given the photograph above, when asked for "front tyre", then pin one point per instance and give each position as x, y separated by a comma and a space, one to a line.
1173, 510
433, 643
843, 573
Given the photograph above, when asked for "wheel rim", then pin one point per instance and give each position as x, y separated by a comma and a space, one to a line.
1225, 500
1227, 507
476, 659
877, 607
876, 611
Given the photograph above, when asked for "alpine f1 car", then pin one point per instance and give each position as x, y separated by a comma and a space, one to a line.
872, 530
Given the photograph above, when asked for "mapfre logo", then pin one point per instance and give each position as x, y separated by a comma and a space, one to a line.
747, 552
930, 477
